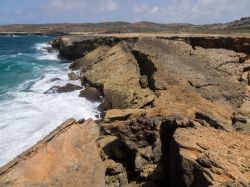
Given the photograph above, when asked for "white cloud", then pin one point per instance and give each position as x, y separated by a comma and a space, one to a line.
193, 10
79, 6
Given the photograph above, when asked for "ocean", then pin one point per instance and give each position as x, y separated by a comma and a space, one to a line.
27, 115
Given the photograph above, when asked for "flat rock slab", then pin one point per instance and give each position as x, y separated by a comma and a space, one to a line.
68, 156
212, 157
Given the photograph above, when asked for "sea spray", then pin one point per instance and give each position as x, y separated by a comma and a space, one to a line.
26, 113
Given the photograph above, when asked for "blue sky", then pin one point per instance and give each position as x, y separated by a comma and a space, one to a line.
162, 11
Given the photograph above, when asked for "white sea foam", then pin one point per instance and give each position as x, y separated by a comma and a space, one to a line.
44, 54
29, 115
33, 114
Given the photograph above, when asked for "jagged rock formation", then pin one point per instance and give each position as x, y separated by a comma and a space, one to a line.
179, 115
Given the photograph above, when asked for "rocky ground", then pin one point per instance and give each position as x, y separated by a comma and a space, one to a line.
176, 112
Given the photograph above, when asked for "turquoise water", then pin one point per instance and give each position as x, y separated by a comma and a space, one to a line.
26, 113
21, 60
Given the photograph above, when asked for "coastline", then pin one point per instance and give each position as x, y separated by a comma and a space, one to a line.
164, 118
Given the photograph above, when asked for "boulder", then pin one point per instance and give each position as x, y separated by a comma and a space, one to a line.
63, 89
68, 156
54, 80
104, 106
91, 94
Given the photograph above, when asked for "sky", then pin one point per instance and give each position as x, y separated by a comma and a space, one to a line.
86, 11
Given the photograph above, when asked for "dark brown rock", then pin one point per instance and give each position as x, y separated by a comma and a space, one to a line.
67, 88
54, 80
104, 106
91, 94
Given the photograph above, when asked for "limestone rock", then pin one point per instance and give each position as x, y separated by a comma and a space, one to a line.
206, 156
90, 59
69, 156
92, 94
75, 47
119, 75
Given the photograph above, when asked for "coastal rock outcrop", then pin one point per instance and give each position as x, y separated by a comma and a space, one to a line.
176, 114
209, 157
76, 47
118, 74
68, 156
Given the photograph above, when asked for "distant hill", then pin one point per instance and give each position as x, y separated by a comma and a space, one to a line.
242, 25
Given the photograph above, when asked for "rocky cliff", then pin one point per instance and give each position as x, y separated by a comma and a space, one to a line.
176, 112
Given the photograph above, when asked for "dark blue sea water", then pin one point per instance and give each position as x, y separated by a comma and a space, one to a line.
26, 113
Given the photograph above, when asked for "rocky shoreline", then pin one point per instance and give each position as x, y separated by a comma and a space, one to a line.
176, 112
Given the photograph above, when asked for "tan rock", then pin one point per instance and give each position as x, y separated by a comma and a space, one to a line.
90, 58
118, 114
68, 156
119, 74
211, 157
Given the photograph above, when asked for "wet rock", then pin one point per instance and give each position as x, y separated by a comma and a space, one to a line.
63, 89
73, 76
54, 80
104, 106
91, 94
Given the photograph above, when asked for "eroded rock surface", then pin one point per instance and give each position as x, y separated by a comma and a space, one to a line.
118, 74
67, 157
176, 114
210, 157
